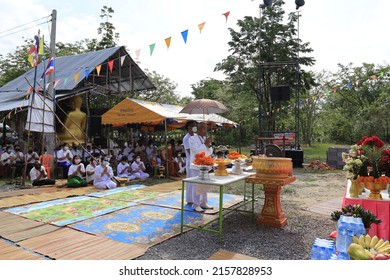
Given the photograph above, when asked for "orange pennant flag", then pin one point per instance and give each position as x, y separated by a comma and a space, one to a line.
200, 26
373, 77
226, 15
98, 69
111, 65
76, 78
168, 42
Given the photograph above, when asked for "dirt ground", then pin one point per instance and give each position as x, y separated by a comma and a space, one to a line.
311, 188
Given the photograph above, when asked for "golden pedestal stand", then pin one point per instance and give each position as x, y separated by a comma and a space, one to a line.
272, 213
221, 168
272, 173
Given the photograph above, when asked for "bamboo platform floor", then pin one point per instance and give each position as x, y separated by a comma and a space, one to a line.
327, 207
10, 251
70, 244
227, 255
16, 228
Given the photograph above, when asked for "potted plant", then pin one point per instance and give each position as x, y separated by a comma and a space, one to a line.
357, 211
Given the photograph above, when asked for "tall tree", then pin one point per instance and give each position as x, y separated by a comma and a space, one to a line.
268, 42
106, 30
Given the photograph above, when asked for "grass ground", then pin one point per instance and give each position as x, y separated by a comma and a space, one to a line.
314, 152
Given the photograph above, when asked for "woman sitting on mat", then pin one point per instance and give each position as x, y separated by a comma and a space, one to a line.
90, 170
103, 175
76, 174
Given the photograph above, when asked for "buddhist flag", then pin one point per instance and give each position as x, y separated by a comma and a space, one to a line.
200, 26
33, 52
98, 69
168, 42
151, 48
40, 50
111, 65
184, 34
226, 15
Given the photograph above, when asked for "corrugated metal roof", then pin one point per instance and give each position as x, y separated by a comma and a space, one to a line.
126, 75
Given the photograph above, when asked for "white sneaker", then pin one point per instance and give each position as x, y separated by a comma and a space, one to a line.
198, 209
206, 207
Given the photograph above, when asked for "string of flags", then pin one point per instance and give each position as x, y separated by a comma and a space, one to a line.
37, 49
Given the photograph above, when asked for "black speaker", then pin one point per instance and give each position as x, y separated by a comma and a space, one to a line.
280, 93
296, 157
95, 126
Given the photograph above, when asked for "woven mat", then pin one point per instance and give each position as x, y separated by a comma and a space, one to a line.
174, 200
44, 196
227, 255
135, 193
10, 251
165, 187
70, 244
65, 211
145, 224
17, 228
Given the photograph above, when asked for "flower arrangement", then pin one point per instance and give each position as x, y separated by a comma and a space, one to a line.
236, 155
372, 147
357, 210
354, 160
202, 159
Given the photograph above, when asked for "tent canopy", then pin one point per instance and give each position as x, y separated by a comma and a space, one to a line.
132, 111
79, 73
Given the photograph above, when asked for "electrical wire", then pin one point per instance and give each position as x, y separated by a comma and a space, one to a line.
12, 33
23, 24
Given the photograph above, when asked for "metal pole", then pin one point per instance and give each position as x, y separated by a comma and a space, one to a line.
260, 73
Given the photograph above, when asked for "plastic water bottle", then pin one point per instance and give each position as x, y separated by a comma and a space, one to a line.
341, 240
343, 256
322, 249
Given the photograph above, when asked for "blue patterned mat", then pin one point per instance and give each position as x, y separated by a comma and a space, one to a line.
145, 224
173, 200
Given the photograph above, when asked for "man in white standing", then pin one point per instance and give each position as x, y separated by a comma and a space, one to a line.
191, 128
199, 143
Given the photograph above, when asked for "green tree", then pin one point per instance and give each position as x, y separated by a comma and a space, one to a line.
357, 102
164, 92
278, 43
106, 30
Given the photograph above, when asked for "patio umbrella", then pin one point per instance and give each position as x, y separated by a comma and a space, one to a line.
204, 106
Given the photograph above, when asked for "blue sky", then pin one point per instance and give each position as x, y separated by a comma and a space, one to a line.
338, 31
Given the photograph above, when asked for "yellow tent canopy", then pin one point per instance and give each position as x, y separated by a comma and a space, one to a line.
131, 111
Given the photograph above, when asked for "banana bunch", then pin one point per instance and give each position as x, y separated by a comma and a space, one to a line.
372, 244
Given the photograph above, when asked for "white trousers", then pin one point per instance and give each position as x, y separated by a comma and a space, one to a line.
200, 198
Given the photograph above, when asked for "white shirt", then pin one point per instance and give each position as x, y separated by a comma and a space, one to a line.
197, 145
98, 174
120, 168
90, 168
34, 173
17, 156
75, 167
61, 153
31, 158
5, 158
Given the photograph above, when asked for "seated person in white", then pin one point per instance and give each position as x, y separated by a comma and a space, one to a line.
182, 163
90, 170
76, 174
123, 169
138, 169
103, 175
38, 175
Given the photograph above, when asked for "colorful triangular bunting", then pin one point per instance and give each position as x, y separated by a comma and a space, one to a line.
168, 42
200, 26
184, 34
